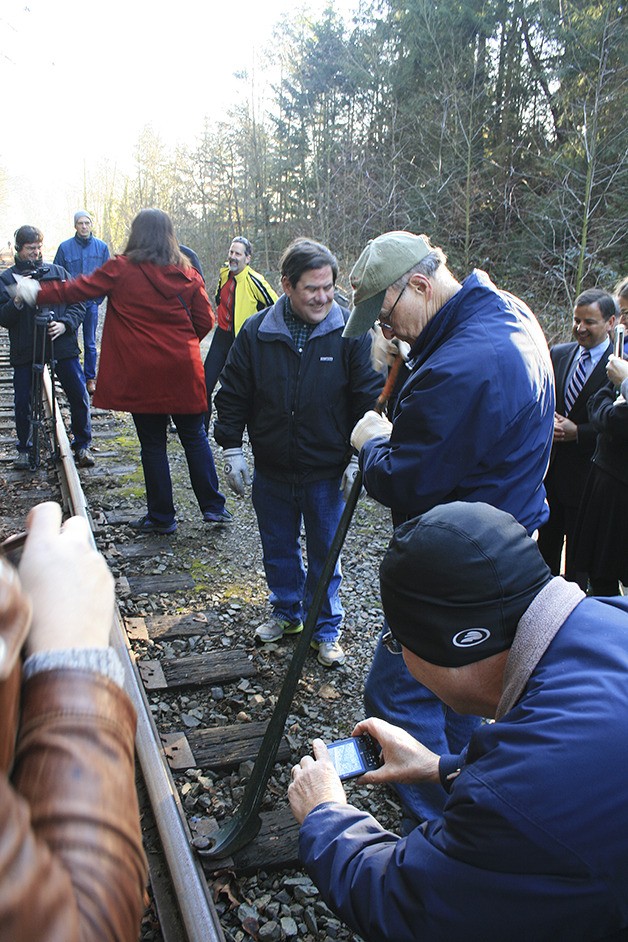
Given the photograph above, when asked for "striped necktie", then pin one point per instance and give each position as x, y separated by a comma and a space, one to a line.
577, 380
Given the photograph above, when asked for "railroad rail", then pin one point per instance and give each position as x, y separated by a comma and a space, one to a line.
187, 608
193, 899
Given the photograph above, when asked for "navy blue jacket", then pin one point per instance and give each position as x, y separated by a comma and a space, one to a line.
21, 322
475, 418
532, 844
300, 409
82, 256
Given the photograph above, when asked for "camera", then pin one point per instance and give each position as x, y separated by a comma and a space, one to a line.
38, 273
354, 756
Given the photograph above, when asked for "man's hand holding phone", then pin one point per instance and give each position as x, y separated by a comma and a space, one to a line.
403, 758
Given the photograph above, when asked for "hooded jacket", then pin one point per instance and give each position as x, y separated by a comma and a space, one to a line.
150, 360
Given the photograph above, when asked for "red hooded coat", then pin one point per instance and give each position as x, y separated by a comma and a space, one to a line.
150, 357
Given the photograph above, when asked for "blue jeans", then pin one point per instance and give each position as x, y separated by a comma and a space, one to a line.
392, 693
280, 509
90, 323
151, 431
72, 380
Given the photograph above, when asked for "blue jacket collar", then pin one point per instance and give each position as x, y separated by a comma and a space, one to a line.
453, 313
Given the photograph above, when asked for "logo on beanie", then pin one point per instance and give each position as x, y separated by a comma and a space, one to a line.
470, 637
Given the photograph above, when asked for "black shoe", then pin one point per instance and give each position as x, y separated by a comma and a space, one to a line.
223, 517
146, 525
83, 458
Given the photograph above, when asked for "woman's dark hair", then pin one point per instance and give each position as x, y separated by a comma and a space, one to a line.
152, 239
303, 255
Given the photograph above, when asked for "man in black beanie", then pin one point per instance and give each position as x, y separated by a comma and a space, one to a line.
532, 840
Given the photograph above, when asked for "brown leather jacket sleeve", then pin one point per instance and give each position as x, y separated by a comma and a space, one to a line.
71, 861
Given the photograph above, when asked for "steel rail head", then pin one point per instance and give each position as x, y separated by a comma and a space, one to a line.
246, 822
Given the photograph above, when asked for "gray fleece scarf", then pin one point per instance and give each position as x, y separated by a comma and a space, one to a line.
537, 627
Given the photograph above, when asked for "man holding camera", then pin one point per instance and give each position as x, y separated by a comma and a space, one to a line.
532, 841
60, 345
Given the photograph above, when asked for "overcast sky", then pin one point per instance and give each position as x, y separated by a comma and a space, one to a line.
81, 80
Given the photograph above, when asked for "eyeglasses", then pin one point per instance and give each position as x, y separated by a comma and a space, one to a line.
390, 643
388, 326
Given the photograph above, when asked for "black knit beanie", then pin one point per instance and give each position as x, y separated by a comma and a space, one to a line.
456, 580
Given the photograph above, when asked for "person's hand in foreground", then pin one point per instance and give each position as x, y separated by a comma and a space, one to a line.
314, 780
404, 759
67, 581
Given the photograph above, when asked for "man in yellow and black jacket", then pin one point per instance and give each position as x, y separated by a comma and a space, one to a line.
241, 291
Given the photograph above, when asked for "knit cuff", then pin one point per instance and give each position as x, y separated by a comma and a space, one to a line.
100, 660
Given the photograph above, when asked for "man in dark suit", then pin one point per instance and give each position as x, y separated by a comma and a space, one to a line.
579, 370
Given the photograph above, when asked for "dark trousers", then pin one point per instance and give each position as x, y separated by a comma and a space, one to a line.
72, 379
560, 528
216, 358
151, 431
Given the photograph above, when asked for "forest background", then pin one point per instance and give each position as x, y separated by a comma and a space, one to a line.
498, 127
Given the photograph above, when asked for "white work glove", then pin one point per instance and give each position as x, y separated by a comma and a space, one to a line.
371, 425
348, 477
384, 352
27, 291
236, 470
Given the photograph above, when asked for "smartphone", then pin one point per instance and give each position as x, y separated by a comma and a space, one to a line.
354, 756
620, 331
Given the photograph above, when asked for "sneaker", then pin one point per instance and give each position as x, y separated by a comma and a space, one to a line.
223, 517
23, 461
276, 629
329, 653
146, 525
84, 458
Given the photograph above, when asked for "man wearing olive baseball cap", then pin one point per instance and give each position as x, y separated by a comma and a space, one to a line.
532, 841
474, 421
381, 264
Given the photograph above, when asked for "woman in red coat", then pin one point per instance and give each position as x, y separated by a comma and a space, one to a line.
150, 361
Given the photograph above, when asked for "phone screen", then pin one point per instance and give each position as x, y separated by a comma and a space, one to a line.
346, 758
